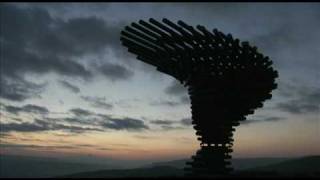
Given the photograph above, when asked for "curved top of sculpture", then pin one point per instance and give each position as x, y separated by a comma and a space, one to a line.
204, 60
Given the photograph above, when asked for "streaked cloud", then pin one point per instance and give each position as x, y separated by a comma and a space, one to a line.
301, 100
43, 125
186, 121
263, 119
98, 102
29, 108
165, 103
162, 122
125, 124
51, 147
114, 72
18, 89
176, 88
69, 86
81, 112
50, 45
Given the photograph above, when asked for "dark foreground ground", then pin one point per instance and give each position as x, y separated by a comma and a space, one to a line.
296, 168
35, 167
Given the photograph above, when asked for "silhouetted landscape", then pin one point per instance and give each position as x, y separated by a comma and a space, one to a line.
35, 167
28, 167
251, 167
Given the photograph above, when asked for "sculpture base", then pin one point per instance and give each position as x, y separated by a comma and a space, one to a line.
210, 161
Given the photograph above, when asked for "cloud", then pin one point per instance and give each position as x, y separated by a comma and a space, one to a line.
81, 112
165, 103
114, 72
75, 129
5, 135
105, 149
162, 122
263, 119
22, 127
296, 107
104, 116
75, 123
69, 86
79, 120
39, 48
186, 121
144, 137
18, 89
55, 36
102, 122
34, 42
171, 125
11, 119
98, 102
43, 125
13, 145
35, 109
13, 109
124, 124
168, 127
185, 99
29, 108
176, 88
33, 146
302, 100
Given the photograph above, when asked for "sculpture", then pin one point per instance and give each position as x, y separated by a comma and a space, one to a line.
226, 81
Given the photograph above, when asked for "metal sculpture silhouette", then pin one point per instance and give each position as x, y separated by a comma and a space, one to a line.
226, 81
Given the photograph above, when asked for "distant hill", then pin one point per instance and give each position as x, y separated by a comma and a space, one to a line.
157, 171
306, 166
237, 163
35, 167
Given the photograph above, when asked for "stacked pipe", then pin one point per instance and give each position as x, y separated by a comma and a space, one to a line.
226, 80
210, 161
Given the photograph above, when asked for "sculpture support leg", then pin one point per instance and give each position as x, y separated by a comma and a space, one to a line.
209, 161
215, 134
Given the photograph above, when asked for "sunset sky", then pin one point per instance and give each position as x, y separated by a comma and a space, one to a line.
69, 88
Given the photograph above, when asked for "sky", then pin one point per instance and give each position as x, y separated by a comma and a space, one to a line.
70, 89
